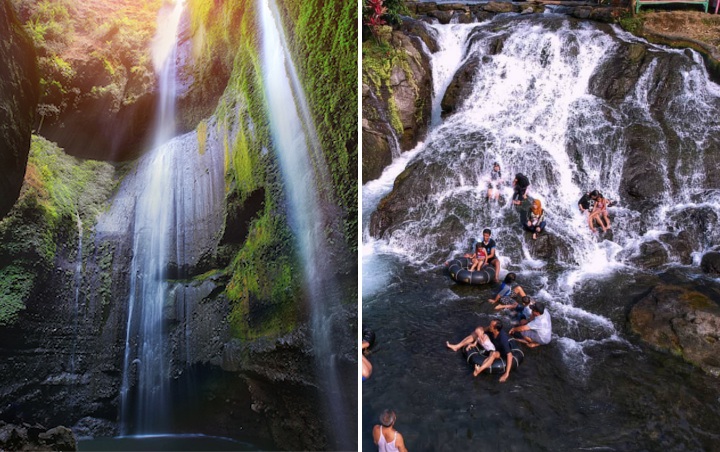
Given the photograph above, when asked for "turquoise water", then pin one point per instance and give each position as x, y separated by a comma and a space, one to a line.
165, 443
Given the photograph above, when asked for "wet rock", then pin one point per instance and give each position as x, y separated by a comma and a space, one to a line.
651, 255
460, 87
425, 7
498, 7
453, 7
19, 91
696, 226
442, 16
681, 246
710, 263
681, 321
642, 181
549, 247
426, 34
397, 102
462, 17
91, 427
35, 437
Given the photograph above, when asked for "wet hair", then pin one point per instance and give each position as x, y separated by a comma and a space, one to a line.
478, 245
594, 193
526, 299
498, 323
496, 164
509, 278
539, 307
487, 231
387, 418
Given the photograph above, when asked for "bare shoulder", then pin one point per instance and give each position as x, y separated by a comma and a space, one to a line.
400, 442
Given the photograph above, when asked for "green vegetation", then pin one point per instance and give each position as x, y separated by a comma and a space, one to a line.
631, 22
106, 43
56, 190
264, 274
323, 39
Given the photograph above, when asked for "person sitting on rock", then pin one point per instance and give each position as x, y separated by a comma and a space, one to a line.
495, 181
476, 338
586, 205
599, 211
479, 258
535, 219
520, 186
506, 292
538, 331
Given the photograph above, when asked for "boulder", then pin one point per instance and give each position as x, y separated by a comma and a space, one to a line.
460, 87
681, 321
549, 247
426, 34
36, 437
442, 16
499, 7
710, 263
651, 255
19, 91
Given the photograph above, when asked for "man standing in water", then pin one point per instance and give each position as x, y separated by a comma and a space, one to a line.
492, 259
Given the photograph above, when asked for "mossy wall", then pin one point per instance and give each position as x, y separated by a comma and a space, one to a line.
58, 189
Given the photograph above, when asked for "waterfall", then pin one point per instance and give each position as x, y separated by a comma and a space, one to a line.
146, 363
532, 108
304, 175
77, 281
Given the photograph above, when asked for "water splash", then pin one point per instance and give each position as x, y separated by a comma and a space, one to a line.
531, 109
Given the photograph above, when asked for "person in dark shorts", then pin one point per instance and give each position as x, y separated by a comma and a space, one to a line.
520, 186
492, 259
507, 292
501, 341
495, 181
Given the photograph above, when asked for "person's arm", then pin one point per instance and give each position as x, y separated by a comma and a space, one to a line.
400, 443
376, 434
491, 254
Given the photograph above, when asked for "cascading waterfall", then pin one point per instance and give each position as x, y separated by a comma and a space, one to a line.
77, 281
146, 360
305, 176
531, 108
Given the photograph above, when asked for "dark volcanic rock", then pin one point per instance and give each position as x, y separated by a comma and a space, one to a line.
681, 321
652, 255
460, 87
711, 263
376, 134
19, 91
549, 247
36, 437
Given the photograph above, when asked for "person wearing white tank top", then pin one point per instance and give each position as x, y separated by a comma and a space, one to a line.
385, 436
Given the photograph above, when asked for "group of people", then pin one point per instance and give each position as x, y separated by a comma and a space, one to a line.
592, 203
531, 322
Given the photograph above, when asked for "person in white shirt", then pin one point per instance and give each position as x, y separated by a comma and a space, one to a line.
538, 331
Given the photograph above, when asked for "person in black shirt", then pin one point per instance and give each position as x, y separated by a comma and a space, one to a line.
586, 205
501, 341
520, 186
492, 258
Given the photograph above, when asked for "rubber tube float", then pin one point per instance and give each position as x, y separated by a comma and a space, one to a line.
459, 272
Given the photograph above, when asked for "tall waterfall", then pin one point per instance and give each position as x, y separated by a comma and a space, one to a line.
305, 175
146, 361
533, 108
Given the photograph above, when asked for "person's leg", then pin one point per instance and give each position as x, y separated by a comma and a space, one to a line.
496, 263
463, 343
486, 364
607, 219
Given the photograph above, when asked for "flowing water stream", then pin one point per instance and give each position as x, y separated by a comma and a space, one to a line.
534, 108
305, 177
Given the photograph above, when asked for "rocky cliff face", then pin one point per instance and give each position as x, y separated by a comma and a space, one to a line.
396, 97
19, 92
